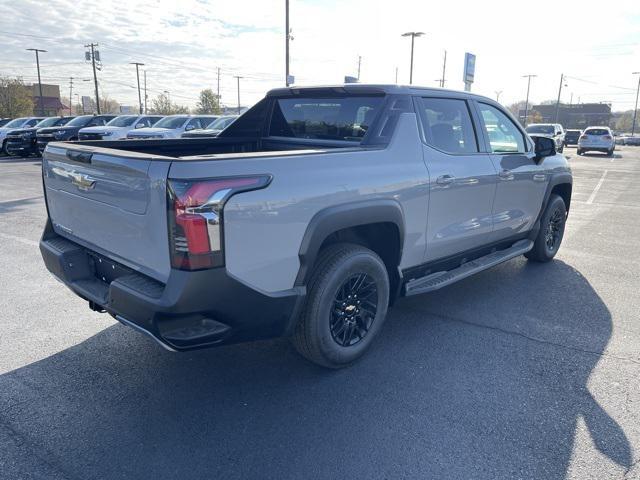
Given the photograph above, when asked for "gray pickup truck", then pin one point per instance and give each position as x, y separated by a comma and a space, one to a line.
307, 217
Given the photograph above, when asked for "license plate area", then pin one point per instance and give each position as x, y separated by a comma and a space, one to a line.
106, 270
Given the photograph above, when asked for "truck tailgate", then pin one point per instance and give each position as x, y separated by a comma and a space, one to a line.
113, 204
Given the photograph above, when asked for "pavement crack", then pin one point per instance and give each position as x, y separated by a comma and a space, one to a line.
535, 339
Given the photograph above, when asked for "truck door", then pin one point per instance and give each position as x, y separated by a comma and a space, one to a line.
521, 181
462, 179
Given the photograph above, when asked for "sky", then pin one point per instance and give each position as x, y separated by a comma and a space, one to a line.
183, 43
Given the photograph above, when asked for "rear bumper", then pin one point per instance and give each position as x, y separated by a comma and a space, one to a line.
192, 310
596, 147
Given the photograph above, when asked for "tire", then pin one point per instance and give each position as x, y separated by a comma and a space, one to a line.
561, 149
336, 337
610, 153
3, 150
549, 237
579, 151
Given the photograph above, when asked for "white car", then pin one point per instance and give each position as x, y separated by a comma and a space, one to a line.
598, 139
172, 126
118, 128
22, 122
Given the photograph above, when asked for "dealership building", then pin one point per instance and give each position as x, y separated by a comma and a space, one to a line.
51, 104
579, 116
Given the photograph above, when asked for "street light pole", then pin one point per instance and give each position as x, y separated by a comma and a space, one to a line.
635, 110
526, 103
237, 77
41, 106
70, 93
498, 93
286, 48
413, 36
558, 101
138, 64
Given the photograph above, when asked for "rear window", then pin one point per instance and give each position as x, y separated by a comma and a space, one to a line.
544, 129
597, 131
339, 118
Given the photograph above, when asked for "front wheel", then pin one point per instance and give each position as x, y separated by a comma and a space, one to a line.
549, 237
345, 308
610, 153
579, 151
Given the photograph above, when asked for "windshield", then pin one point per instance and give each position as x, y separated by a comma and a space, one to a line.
80, 121
50, 122
16, 123
545, 129
122, 121
171, 122
221, 123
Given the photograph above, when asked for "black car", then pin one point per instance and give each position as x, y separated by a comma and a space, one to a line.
571, 137
22, 142
70, 130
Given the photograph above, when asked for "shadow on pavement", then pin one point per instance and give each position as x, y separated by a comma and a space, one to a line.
485, 379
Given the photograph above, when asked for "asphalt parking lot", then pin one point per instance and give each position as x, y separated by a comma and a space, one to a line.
523, 371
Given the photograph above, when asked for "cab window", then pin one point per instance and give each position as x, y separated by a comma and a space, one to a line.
448, 126
504, 136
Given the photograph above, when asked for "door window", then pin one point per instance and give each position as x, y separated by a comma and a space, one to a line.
448, 126
504, 135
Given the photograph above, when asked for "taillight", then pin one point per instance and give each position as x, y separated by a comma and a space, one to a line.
607, 137
195, 218
583, 137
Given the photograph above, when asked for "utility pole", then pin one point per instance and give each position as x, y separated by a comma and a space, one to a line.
145, 92
498, 93
526, 103
558, 101
218, 86
635, 110
286, 48
444, 69
237, 77
70, 94
413, 36
92, 56
359, 62
138, 64
41, 109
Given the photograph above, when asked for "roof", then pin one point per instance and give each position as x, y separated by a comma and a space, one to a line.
366, 88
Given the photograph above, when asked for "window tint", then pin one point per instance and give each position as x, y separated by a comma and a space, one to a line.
597, 131
339, 118
448, 126
504, 136
195, 123
31, 122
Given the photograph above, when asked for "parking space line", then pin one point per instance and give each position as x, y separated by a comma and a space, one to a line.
595, 190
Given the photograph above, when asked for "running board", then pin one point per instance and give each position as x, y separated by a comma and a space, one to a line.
435, 281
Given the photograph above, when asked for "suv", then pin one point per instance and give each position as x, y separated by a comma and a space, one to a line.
598, 139
22, 142
550, 130
307, 217
23, 122
213, 129
173, 126
118, 128
571, 137
70, 130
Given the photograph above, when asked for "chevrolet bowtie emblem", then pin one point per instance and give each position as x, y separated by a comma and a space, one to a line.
83, 181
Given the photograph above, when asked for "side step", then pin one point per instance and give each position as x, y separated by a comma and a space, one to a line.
435, 281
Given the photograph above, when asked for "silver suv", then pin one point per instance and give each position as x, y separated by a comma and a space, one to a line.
554, 131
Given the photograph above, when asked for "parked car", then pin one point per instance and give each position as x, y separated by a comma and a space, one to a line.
70, 130
571, 137
550, 130
172, 126
22, 142
4, 121
319, 208
118, 128
22, 122
632, 140
213, 129
597, 139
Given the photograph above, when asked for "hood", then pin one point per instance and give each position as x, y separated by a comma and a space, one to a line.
151, 131
20, 131
104, 128
55, 129
5, 131
203, 133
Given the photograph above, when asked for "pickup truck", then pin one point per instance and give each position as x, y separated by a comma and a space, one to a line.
307, 217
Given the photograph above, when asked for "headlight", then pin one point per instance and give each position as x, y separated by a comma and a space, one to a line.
59, 134
27, 136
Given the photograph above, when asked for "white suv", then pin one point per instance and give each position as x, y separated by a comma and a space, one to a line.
118, 128
172, 126
598, 139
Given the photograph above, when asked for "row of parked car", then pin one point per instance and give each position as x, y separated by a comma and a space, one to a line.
30, 135
596, 138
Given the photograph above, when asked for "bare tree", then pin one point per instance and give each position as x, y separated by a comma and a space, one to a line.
15, 98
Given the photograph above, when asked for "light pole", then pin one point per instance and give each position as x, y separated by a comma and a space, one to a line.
635, 110
413, 36
287, 34
137, 64
558, 101
39, 82
498, 93
526, 103
237, 77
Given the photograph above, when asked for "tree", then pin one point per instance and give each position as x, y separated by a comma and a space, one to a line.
15, 98
162, 105
534, 117
107, 105
209, 102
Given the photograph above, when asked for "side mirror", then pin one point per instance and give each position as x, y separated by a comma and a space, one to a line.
140, 125
544, 147
190, 127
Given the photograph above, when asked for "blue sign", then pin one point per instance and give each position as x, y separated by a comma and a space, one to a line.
469, 67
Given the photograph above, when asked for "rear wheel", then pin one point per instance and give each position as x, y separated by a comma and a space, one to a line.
579, 151
346, 306
549, 237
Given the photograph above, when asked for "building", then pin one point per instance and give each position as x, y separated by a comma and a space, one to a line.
51, 104
580, 116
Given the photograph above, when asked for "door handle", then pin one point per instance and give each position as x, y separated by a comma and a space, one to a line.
506, 174
445, 179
